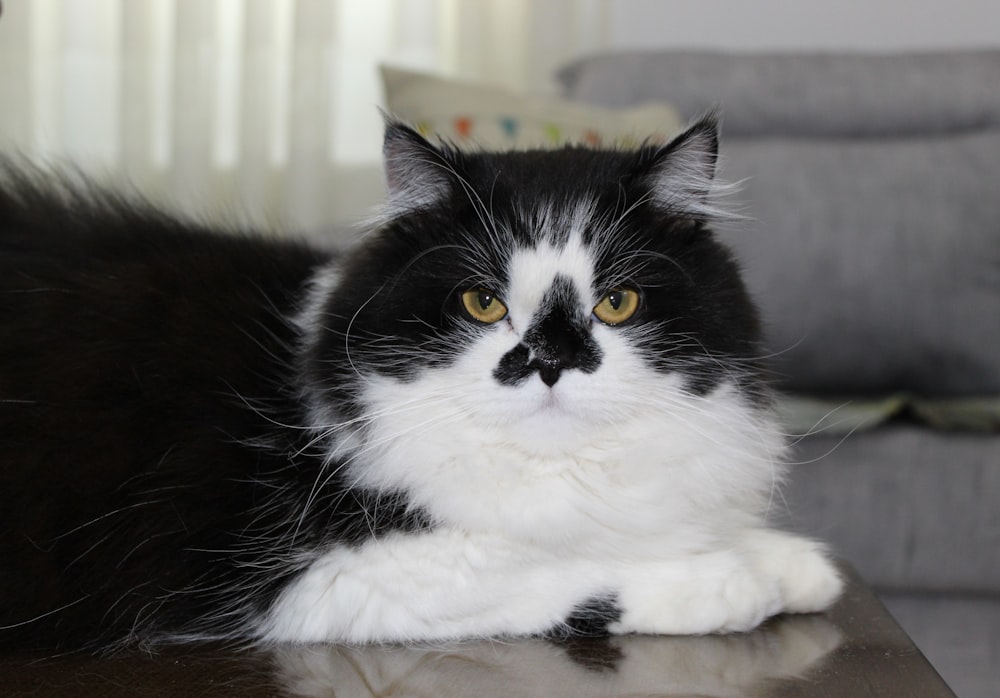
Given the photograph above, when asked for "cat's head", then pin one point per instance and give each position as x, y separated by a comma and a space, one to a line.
540, 297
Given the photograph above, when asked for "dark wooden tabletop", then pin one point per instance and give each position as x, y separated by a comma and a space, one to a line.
856, 650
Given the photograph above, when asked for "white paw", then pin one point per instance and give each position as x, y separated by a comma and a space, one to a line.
767, 573
809, 581
703, 594
751, 598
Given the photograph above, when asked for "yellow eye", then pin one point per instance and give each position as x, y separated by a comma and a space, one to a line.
482, 305
617, 306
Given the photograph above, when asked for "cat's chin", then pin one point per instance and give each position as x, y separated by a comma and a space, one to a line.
550, 421
551, 402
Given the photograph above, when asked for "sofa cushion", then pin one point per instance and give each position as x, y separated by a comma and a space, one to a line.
876, 262
910, 507
803, 94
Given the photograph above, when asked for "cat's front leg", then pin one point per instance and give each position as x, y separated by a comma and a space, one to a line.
732, 590
436, 585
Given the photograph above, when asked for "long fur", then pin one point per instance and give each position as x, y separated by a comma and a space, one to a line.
221, 435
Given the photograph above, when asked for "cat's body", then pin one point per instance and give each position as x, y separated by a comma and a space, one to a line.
528, 403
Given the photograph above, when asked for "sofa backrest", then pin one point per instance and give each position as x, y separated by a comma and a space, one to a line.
803, 94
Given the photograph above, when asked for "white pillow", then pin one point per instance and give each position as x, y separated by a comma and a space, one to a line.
489, 117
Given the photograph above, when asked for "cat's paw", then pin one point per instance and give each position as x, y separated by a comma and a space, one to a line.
766, 573
711, 593
808, 580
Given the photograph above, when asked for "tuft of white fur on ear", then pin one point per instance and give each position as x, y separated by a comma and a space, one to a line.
417, 174
681, 174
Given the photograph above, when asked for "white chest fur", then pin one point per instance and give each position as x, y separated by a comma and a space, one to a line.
663, 514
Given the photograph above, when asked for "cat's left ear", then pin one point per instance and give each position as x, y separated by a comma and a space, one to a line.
417, 174
681, 174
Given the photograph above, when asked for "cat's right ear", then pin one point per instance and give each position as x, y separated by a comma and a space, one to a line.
681, 174
417, 174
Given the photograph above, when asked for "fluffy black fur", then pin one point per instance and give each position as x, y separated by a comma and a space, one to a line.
146, 372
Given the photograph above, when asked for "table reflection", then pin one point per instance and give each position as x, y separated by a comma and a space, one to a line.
731, 665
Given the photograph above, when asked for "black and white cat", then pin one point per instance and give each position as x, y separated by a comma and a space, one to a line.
528, 402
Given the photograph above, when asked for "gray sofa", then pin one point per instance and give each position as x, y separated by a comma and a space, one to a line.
871, 184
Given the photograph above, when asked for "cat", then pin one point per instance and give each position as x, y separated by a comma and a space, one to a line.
528, 402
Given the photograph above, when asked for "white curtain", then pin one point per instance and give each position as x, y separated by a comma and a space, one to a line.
261, 110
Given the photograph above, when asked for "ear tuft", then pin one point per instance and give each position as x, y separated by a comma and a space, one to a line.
417, 174
681, 174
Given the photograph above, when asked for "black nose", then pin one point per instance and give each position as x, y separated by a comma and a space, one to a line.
548, 369
548, 355
556, 347
558, 339
556, 344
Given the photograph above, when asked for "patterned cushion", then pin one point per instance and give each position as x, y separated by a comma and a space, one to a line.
466, 113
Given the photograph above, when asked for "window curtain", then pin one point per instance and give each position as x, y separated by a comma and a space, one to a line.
255, 110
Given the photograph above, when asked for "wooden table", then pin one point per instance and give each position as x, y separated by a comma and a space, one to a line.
855, 650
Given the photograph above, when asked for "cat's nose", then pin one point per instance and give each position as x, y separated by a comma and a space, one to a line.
555, 349
558, 339
548, 369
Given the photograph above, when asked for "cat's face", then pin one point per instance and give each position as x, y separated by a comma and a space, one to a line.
545, 303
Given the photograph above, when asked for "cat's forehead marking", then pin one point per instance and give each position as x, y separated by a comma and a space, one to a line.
560, 250
534, 271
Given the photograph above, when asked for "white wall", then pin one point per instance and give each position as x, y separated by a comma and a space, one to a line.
862, 25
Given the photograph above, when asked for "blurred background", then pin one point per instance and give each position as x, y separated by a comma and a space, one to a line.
267, 109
